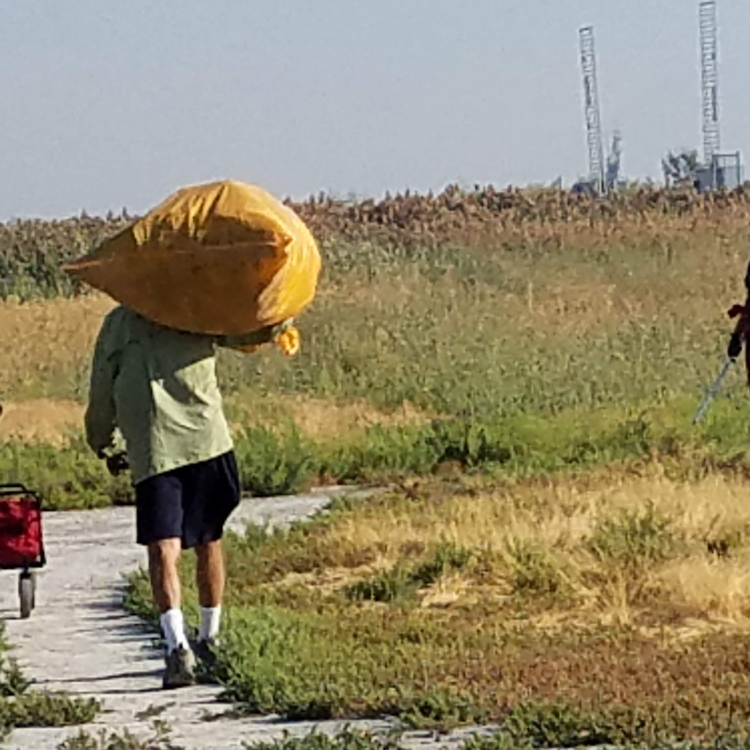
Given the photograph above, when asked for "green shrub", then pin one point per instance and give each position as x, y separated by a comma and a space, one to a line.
274, 464
125, 740
402, 582
395, 584
67, 477
348, 739
534, 571
634, 539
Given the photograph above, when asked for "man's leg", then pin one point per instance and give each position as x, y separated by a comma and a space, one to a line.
159, 521
216, 495
210, 574
163, 557
210, 578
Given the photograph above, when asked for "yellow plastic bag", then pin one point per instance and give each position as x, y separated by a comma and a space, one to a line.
224, 258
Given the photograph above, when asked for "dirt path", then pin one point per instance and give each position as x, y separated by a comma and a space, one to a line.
81, 641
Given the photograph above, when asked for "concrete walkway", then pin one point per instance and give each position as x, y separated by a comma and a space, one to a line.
81, 641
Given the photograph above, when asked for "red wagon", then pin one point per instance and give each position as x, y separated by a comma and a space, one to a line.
21, 543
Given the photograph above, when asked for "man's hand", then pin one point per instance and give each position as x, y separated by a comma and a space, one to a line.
735, 346
117, 464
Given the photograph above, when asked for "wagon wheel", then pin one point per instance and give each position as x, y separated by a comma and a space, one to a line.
27, 593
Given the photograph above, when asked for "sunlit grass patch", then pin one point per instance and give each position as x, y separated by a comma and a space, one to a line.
594, 597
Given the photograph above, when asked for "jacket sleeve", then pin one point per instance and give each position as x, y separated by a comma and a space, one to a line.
100, 419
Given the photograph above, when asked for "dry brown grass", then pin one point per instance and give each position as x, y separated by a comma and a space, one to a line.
46, 344
41, 420
702, 580
46, 348
563, 281
54, 421
320, 419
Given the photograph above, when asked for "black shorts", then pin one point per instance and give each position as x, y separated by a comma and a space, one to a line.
191, 503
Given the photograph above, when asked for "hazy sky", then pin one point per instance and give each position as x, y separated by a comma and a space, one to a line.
109, 104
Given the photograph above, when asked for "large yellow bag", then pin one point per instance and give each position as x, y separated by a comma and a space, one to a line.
223, 258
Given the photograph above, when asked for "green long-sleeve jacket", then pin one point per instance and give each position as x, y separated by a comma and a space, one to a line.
157, 388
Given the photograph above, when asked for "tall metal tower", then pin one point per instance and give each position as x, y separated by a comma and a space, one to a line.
710, 78
593, 117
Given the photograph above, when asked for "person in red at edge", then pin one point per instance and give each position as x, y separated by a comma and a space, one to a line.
741, 333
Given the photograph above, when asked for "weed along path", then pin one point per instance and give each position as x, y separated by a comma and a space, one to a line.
80, 640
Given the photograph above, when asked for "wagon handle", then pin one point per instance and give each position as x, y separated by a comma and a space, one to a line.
11, 487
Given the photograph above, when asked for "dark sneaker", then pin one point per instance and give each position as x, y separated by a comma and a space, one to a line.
205, 653
180, 670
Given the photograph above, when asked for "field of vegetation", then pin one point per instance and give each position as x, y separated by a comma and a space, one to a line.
521, 330
559, 551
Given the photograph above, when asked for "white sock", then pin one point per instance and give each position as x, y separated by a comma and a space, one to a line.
210, 620
173, 627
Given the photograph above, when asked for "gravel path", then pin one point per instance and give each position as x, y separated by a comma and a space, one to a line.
80, 640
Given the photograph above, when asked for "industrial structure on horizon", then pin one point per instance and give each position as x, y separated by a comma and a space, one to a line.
592, 111
717, 169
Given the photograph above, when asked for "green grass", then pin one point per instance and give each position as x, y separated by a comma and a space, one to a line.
67, 478
535, 347
401, 583
501, 327
532, 726
284, 461
348, 739
159, 739
325, 665
530, 360
539, 347
366, 646
558, 727
633, 539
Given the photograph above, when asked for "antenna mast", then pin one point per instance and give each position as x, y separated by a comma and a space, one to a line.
593, 117
710, 77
